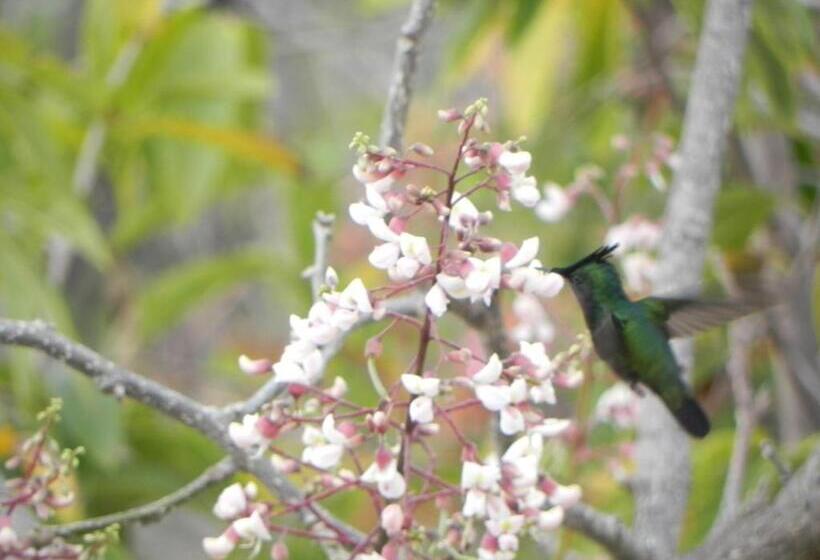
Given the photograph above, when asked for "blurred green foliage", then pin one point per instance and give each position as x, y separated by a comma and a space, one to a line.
159, 118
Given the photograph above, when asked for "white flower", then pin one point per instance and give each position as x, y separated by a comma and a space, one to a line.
505, 529
252, 528
232, 502
511, 421
525, 190
555, 204
464, 216
436, 300
534, 324
478, 480
245, 434
551, 427
515, 163
417, 385
526, 253
618, 405
491, 371
453, 286
483, 279
362, 213
565, 496
219, 547
388, 479
532, 280
536, 355
385, 255
551, 518
380, 230
493, 397
421, 410
543, 392
356, 298
635, 233
8, 538
323, 449
392, 519
639, 269
415, 247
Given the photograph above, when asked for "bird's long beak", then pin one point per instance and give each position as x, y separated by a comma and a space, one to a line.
563, 271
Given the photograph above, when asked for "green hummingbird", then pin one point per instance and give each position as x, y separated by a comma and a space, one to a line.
632, 337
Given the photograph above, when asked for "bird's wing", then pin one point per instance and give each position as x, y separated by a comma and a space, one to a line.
688, 316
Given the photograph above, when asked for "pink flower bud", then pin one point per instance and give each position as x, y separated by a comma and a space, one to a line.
422, 149
279, 551
392, 519
268, 428
378, 422
296, 390
373, 348
398, 225
348, 429
254, 367
508, 251
383, 458
449, 115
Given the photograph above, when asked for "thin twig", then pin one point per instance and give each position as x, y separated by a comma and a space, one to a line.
404, 71
608, 531
148, 513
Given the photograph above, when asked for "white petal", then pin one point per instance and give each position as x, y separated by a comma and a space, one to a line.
412, 383
362, 213
552, 426
527, 252
323, 456
470, 474
231, 502
289, 372
382, 231
515, 162
384, 256
415, 247
218, 548
551, 518
526, 192
511, 421
393, 487
421, 410
490, 372
252, 527
454, 286
475, 504
493, 397
548, 284
404, 269
554, 205
357, 292
436, 300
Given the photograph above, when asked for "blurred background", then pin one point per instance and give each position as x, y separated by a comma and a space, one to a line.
161, 162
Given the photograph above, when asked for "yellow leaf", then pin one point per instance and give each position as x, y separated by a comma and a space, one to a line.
532, 70
8, 440
237, 142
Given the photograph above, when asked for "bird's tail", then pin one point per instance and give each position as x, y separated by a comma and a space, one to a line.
691, 417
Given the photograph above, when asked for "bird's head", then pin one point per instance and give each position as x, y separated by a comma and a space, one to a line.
592, 273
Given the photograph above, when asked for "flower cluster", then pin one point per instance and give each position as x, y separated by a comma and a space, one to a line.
44, 487
344, 446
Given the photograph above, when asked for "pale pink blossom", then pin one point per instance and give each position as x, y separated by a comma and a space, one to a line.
392, 519
219, 547
555, 204
231, 503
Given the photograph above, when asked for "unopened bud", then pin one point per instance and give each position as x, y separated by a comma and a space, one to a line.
279, 551
392, 519
449, 115
373, 348
422, 149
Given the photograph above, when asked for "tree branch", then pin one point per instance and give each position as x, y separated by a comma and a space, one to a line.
662, 452
789, 527
147, 513
606, 530
109, 377
404, 71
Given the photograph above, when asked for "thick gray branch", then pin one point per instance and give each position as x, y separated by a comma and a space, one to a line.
662, 454
606, 530
110, 377
789, 527
147, 513
404, 71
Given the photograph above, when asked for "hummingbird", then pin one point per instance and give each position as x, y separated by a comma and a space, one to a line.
632, 337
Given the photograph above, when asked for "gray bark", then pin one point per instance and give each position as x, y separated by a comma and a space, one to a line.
662, 454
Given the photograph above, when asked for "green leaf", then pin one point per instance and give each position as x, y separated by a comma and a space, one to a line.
738, 212
166, 300
524, 14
